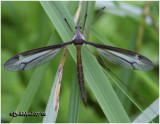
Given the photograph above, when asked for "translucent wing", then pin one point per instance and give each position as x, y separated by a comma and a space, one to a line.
124, 58
33, 58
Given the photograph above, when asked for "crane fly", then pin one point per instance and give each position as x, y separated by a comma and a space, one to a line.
36, 57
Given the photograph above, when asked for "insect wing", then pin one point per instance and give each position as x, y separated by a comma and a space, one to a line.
122, 57
31, 59
130, 60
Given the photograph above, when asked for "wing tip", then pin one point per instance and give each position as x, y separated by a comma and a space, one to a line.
9, 64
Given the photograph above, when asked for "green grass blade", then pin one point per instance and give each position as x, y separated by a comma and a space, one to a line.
152, 111
33, 85
148, 81
103, 90
74, 99
126, 92
122, 88
57, 18
51, 115
93, 72
74, 104
133, 88
53, 102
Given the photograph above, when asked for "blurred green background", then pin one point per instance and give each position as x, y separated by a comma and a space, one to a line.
25, 26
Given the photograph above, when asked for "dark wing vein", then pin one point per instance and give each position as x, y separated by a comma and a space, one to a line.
116, 59
33, 58
124, 58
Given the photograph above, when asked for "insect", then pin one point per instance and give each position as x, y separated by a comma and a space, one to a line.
33, 58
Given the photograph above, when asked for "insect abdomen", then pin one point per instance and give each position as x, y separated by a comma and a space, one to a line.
80, 74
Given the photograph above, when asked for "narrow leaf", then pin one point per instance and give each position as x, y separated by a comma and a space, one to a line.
151, 111
53, 102
74, 99
33, 85
93, 72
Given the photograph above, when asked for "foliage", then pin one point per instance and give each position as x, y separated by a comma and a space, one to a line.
25, 26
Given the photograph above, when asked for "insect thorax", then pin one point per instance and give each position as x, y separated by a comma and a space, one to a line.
78, 38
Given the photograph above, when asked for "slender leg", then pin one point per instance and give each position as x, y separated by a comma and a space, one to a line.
101, 10
64, 18
80, 75
68, 25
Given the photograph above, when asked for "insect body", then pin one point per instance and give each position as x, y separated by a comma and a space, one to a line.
33, 58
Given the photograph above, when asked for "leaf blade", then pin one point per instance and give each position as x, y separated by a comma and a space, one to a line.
53, 102
33, 85
99, 93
